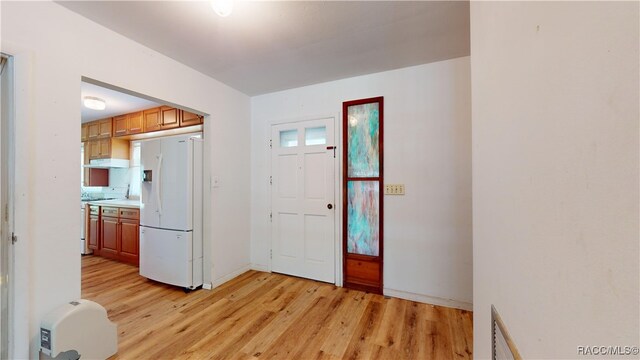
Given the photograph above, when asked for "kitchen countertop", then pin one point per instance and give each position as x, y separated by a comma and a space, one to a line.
117, 203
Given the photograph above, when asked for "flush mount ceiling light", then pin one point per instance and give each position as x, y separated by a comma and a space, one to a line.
222, 7
94, 103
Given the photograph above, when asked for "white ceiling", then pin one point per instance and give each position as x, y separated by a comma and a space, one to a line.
117, 103
266, 46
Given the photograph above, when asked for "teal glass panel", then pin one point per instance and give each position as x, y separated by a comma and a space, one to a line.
363, 142
363, 228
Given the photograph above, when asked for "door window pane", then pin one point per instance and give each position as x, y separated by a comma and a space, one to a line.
289, 138
315, 136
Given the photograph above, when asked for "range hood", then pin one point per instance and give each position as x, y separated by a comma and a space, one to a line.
107, 163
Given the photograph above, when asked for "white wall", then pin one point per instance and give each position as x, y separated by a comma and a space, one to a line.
555, 174
427, 141
53, 48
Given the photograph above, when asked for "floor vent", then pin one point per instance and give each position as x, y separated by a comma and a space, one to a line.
502, 347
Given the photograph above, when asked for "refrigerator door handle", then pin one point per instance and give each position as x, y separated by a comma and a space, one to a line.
159, 186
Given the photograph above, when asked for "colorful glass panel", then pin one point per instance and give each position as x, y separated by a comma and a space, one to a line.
363, 140
363, 228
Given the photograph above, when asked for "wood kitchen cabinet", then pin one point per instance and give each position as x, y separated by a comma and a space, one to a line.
128, 124
120, 234
99, 129
170, 117
129, 240
106, 128
189, 118
134, 123
93, 226
120, 125
108, 148
84, 132
151, 120
140, 122
93, 130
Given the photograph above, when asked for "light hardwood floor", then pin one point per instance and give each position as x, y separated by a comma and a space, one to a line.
269, 316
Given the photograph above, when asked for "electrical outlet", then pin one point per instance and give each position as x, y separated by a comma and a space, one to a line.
394, 189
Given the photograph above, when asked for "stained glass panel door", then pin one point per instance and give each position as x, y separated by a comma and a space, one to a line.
362, 202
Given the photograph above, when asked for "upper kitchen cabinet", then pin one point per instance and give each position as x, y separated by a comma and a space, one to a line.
108, 148
134, 125
120, 125
128, 124
170, 117
84, 132
99, 129
189, 118
151, 120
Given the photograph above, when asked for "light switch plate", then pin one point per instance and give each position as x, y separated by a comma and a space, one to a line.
394, 189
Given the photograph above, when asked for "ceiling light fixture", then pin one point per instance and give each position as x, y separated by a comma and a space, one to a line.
94, 103
222, 7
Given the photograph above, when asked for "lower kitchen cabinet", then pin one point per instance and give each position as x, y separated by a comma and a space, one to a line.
93, 233
129, 240
109, 229
119, 234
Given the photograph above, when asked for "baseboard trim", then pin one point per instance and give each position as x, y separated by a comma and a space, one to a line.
221, 280
258, 267
433, 300
207, 286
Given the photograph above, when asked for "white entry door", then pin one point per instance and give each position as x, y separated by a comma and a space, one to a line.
302, 199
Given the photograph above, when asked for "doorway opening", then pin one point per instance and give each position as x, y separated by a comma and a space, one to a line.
112, 183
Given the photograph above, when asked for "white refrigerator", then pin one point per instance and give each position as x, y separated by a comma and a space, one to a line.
171, 210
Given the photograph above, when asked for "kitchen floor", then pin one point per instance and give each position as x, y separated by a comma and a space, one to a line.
269, 316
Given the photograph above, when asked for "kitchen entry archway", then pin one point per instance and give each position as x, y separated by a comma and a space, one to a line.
303, 206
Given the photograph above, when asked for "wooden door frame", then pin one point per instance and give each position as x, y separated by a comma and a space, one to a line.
380, 178
337, 190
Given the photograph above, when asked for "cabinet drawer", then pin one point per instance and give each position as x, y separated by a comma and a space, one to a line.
362, 272
94, 210
127, 213
109, 211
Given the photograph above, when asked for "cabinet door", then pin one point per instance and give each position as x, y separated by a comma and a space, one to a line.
151, 119
109, 237
94, 149
134, 125
129, 241
93, 130
105, 128
170, 117
189, 118
84, 132
86, 161
105, 148
93, 239
120, 125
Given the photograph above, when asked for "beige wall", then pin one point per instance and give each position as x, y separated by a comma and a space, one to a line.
555, 174
427, 147
53, 48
